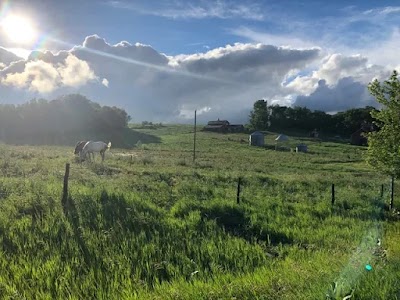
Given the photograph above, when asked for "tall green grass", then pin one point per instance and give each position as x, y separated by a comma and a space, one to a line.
145, 225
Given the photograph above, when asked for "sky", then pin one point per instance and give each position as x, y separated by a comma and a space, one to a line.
161, 60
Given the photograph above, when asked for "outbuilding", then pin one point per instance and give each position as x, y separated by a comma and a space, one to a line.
301, 148
256, 139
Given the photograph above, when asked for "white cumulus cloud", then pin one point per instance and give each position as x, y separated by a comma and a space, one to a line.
219, 83
44, 77
75, 72
333, 68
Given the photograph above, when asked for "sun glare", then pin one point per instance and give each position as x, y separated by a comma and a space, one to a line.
18, 29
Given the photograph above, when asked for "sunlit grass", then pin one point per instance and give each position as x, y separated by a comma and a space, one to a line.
149, 223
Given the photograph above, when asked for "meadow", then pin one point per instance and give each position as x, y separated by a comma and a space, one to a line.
149, 223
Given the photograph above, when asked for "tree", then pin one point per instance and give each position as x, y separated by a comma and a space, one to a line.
41, 121
259, 115
384, 145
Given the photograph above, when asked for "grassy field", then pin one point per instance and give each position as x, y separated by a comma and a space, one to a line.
149, 223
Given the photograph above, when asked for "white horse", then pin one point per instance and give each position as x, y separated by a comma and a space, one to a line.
92, 147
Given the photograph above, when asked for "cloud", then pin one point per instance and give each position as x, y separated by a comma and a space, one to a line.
383, 10
105, 82
349, 30
205, 9
43, 76
335, 67
289, 40
37, 76
154, 86
385, 52
140, 59
219, 83
238, 58
256, 69
75, 72
7, 57
139, 52
189, 114
346, 94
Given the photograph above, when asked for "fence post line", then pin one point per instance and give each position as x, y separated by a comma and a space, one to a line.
65, 189
333, 193
238, 191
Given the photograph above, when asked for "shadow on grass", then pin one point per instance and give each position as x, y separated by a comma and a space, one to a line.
234, 221
376, 211
115, 211
124, 138
72, 215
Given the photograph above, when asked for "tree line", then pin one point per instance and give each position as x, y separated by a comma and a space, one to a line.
59, 121
276, 118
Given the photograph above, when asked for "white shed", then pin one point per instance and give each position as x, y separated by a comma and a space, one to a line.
256, 139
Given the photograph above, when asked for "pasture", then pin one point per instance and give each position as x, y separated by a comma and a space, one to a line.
149, 223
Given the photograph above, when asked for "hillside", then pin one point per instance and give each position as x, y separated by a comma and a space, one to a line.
151, 224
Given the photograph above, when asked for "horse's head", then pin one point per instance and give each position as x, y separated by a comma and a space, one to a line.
79, 146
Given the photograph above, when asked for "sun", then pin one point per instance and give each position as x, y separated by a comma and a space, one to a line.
18, 29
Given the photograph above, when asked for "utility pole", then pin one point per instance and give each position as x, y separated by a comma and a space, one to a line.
194, 137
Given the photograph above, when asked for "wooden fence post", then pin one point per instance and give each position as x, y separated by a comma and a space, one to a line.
333, 193
65, 189
238, 191
392, 193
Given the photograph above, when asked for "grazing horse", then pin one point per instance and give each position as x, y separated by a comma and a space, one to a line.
79, 147
92, 147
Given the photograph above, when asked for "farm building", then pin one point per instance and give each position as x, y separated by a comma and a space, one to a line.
256, 139
314, 133
359, 137
223, 126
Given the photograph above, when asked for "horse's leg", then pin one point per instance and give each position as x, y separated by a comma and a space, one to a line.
81, 157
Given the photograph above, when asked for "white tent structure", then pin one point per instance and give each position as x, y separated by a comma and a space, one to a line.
281, 139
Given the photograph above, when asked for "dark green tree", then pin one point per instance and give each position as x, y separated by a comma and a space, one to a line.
278, 117
384, 145
259, 116
50, 122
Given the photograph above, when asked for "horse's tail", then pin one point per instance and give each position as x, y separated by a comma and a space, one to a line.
109, 145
